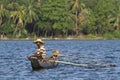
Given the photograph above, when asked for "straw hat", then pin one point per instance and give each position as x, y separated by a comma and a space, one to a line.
56, 52
38, 40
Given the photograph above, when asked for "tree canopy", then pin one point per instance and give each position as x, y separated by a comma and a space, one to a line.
59, 18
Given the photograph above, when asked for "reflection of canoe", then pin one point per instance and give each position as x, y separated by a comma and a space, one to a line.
46, 62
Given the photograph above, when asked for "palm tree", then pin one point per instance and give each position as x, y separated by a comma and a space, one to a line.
77, 8
16, 16
117, 15
32, 11
3, 12
23, 14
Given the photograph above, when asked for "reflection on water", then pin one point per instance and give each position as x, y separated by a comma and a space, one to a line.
14, 64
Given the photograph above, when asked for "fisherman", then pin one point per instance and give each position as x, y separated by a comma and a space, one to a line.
40, 51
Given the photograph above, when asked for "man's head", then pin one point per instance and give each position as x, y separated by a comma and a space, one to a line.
38, 42
56, 52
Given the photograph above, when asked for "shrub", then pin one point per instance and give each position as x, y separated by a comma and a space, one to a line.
108, 36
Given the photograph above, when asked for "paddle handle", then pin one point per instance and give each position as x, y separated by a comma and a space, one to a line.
86, 59
70, 63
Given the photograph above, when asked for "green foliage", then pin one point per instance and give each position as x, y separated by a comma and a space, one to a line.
108, 36
91, 36
60, 17
57, 12
100, 19
112, 35
7, 28
116, 34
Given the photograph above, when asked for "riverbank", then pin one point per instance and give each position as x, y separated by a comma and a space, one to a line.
81, 37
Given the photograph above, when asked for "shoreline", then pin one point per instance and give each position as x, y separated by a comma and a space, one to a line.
80, 37
97, 38
52, 39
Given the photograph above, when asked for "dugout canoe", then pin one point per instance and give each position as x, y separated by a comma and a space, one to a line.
45, 63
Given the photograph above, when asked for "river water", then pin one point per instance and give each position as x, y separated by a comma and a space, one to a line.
15, 66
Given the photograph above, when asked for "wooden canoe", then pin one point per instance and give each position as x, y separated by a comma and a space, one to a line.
49, 62
42, 63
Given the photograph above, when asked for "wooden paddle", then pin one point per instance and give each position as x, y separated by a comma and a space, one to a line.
86, 59
81, 65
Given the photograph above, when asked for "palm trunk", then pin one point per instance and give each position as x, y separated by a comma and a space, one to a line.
0, 20
76, 23
118, 21
14, 33
46, 33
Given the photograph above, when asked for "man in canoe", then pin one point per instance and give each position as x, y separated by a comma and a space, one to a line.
40, 51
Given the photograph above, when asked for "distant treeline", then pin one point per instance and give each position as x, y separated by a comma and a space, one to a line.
59, 18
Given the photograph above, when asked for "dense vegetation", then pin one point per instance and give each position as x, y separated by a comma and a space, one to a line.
59, 18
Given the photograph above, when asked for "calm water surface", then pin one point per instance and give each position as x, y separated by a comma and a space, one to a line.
15, 66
